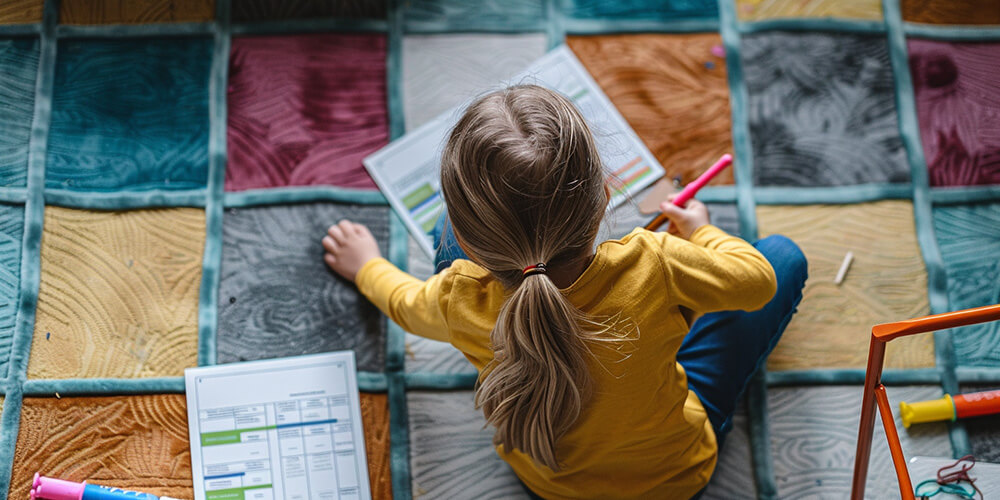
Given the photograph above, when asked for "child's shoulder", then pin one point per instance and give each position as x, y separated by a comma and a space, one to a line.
466, 269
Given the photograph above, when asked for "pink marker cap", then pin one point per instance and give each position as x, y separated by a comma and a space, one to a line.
56, 489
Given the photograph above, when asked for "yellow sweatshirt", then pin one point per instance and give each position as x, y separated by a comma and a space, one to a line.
642, 433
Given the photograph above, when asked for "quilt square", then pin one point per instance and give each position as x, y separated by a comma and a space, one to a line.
969, 239
375, 421
887, 281
135, 11
275, 10
950, 12
141, 129
957, 88
733, 477
642, 9
822, 110
305, 110
451, 453
141, 443
444, 71
758, 10
119, 294
21, 11
462, 13
278, 298
138, 443
814, 434
18, 70
11, 232
672, 90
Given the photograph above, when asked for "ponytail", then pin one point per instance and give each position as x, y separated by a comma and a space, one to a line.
535, 387
523, 183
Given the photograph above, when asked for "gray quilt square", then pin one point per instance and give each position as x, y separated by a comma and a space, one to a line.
277, 297
822, 110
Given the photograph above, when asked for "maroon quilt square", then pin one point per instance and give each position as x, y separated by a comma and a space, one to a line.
957, 86
305, 110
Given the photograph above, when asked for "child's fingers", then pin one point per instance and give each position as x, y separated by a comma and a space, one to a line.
330, 260
337, 233
330, 245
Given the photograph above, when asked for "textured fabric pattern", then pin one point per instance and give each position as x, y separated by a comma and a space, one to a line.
375, 420
134, 11
18, 68
444, 71
642, 9
756, 10
273, 10
732, 478
886, 282
146, 128
451, 452
814, 433
672, 90
141, 443
822, 110
11, 229
119, 293
957, 89
133, 442
276, 296
305, 110
21, 11
969, 239
505, 12
951, 11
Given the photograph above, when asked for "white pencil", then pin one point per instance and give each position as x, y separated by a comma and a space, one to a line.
843, 268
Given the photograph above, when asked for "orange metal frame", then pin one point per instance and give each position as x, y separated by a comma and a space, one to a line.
875, 391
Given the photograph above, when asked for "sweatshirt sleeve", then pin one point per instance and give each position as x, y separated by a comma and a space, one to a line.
417, 306
715, 272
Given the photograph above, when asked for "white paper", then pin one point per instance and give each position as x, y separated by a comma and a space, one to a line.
408, 170
287, 428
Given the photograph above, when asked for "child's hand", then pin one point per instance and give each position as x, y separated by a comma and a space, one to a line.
349, 246
684, 221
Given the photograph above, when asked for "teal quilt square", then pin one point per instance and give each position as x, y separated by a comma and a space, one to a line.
642, 9
11, 230
130, 115
18, 67
969, 239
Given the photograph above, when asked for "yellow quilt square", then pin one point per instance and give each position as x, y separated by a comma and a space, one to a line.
119, 293
887, 281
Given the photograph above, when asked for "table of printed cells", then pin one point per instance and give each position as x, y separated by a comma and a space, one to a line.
168, 167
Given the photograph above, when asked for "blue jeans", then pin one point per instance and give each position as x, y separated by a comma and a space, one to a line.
723, 349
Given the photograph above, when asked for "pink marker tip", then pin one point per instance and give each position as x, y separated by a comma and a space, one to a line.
35, 482
32, 494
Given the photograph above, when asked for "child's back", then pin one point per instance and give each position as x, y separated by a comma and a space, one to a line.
577, 350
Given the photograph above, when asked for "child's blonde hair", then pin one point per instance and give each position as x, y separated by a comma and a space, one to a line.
524, 185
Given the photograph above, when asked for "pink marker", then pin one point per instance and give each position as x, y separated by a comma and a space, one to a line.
691, 189
58, 489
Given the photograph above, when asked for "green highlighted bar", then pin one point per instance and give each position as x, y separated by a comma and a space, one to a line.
232, 493
229, 437
582, 92
417, 196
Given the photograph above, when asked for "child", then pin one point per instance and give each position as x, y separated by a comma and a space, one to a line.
589, 372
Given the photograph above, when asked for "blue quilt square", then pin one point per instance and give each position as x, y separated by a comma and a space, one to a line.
18, 67
642, 9
130, 115
11, 230
969, 239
